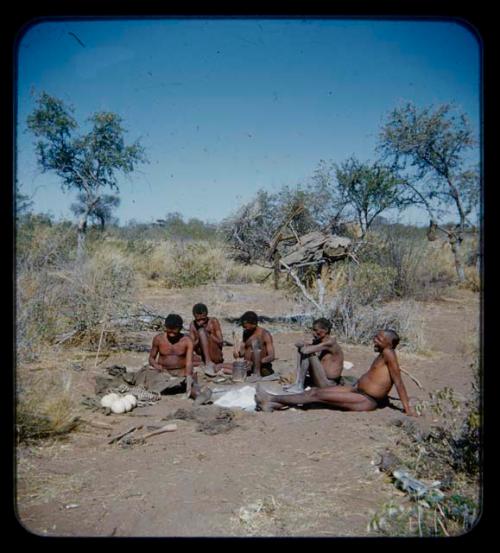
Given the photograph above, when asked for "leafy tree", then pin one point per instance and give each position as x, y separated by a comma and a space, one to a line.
362, 191
101, 210
23, 205
432, 145
88, 163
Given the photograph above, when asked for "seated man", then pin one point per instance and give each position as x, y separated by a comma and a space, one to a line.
257, 347
206, 334
369, 392
170, 361
326, 367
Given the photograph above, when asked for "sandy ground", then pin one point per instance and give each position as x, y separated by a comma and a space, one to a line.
289, 473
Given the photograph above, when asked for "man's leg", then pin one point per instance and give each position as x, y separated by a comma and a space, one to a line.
303, 365
205, 347
257, 353
318, 373
256, 362
338, 397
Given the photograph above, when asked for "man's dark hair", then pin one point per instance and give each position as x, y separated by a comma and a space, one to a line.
249, 317
174, 321
200, 309
323, 323
393, 335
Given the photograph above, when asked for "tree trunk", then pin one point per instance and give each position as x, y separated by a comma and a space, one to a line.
82, 229
276, 271
455, 243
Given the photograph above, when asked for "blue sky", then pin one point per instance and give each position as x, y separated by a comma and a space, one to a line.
225, 107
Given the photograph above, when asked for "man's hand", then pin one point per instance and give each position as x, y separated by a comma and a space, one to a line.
410, 412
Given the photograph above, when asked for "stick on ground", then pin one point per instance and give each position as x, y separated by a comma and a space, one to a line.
172, 427
120, 436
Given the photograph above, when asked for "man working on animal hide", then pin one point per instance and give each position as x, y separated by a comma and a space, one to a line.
369, 393
170, 362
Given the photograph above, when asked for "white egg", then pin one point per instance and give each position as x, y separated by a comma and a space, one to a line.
108, 399
128, 403
132, 398
118, 406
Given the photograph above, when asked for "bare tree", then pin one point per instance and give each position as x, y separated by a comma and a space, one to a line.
434, 143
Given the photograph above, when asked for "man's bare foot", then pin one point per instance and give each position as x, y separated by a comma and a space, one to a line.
210, 369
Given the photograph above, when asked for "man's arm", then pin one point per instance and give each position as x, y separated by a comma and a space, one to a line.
215, 331
153, 354
268, 340
322, 346
392, 364
193, 334
189, 356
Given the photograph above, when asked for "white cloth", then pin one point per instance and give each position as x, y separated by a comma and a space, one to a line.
242, 398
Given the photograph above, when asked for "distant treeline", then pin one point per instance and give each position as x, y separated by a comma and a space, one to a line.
175, 227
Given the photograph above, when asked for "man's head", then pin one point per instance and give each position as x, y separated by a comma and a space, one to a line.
173, 326
321, 328
249, 320
200, 313
386, 338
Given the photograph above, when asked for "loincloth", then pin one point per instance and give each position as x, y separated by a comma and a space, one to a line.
382, 402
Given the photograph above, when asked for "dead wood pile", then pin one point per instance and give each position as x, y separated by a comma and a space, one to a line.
317, 247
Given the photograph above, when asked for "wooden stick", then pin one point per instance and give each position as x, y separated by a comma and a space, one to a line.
301, 286
236, 347
97, 424
120, 436
412, 377
167, 428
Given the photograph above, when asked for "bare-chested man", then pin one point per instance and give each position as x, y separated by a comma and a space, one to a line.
322, 359
257, 347
206, 334
170, 361
369, 392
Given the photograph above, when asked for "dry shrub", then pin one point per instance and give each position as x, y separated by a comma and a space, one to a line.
67, 298
447, 452
189, 264
237, 273
40, 252
95, 290
472, 280
357, 323
45, 407
259, 517
420, 269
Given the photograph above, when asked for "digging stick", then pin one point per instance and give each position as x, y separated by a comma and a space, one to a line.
123, 434
97, 424
172, 427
